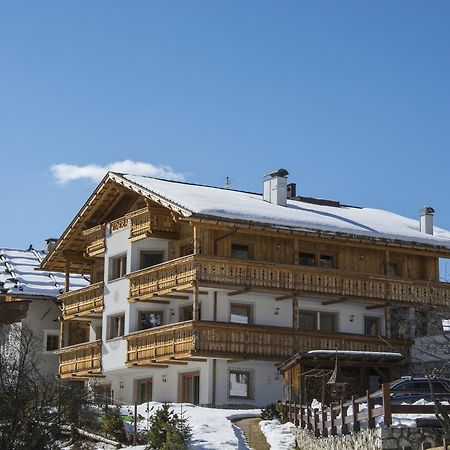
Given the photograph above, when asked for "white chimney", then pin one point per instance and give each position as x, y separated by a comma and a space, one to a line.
275, 187
426, 220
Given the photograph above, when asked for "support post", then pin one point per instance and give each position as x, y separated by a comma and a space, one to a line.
195, 295
370, 419
214, 376
135, 425
344, 426
387, 321
67, 277
355, 411
295, 317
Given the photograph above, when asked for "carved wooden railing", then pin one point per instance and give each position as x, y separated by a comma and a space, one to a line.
188, 339
178, 273
145, 223
82, 302
95, 240
118, 224
162, 278
81, 360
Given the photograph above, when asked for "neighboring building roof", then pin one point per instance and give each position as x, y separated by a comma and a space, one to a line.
220, 203
19, 277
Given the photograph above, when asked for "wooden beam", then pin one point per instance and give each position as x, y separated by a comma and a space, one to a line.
240, 291
335, 300
382, 305
147, 364
287, 296
170, 361
175, 297
193, 359
190, 291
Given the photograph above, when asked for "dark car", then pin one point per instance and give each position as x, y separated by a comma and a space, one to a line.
409, 390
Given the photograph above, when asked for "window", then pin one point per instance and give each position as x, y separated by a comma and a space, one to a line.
240, 251
240, 313
150, 258
318, 321
371, 326
144, 391
117, 267
327, 322
116, 326
239, 384
308, 320
392, 269
149, 319
51, 340
326, 261
187, 313
307, 259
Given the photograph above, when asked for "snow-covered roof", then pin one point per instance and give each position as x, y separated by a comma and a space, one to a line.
19, 277
206, 201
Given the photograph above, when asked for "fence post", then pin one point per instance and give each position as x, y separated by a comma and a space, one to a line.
387, 410
370, 419
302, 419
333, 428
316, 422
324, 420
355, 411
344, 426
308, 415
135, 425
295, 415
290, 411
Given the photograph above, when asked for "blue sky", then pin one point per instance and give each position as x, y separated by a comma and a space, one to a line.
352, 97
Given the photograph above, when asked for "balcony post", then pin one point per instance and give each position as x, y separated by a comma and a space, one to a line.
295, 312
67, 277
387, 321
195, 295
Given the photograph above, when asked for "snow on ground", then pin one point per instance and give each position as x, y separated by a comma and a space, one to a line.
212, 428
278, 435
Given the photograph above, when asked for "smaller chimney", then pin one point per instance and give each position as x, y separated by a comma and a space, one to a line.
275, 187
50, 244
426, 220
291, 190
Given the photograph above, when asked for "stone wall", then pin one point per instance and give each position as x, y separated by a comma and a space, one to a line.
376, 439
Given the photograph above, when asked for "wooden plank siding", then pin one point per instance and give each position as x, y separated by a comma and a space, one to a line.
81, 360
218, 339
221, 272
82, 302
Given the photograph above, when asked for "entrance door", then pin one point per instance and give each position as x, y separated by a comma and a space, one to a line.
190, 388
144, 391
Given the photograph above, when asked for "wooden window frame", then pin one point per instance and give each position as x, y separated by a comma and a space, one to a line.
317, 314
138, 382
150, 311
182, 308
250, 375
249, 307
122, 258
121, 326
317, 258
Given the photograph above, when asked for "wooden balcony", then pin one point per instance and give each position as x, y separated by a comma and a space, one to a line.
227, 340
81, 360
146, 223
254, 275
82, 302
95, 240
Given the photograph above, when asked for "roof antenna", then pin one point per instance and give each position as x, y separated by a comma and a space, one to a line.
30, 248
227, 183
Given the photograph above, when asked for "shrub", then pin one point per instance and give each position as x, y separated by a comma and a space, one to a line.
113, 425
270, 412
168, 431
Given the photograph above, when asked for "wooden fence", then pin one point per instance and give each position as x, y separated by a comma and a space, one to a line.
325, 422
